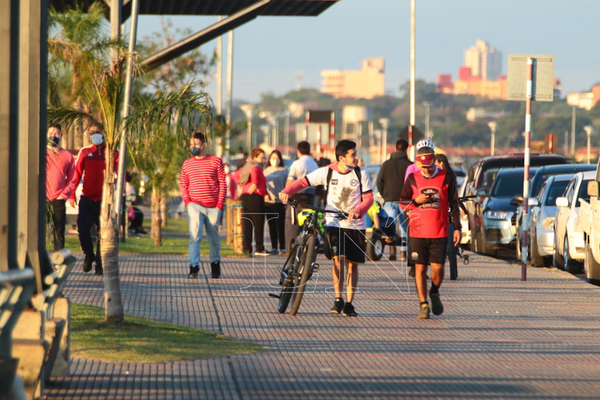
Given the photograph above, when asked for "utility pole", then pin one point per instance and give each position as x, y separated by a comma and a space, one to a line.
229, 96
588, 131
492, 125
384, 126
412, 73
219, 149
427, 131
573, 120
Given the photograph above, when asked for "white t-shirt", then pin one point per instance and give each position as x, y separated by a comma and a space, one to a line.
302, 167
342, 194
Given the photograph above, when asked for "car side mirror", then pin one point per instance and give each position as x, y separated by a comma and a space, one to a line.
562, 202
533, 202
481, 192
592, 189
516, 201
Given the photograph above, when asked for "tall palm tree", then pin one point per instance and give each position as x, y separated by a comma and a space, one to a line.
159, 140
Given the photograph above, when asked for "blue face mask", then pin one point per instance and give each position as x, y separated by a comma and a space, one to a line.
347, 166
195, 151
53, 141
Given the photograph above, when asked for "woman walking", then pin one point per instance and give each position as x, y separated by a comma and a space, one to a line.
276, 174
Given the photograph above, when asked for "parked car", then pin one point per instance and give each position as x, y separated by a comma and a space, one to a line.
543, 214
498, 229
461, 174
534, 188
373, 170
569, 247
482, 174
465, 238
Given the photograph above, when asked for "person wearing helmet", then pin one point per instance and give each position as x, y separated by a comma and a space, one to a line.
428, 193
425, 144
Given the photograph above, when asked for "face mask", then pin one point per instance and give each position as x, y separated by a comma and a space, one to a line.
97, 139
195, 151
226, 170
347, 166
274, 163
53, 141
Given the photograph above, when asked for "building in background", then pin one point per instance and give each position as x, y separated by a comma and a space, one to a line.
484, 60
585, 100
366, 83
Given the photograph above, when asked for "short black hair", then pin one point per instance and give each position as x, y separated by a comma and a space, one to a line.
343, 147
199, 135
57, 126
401, 145
303, 148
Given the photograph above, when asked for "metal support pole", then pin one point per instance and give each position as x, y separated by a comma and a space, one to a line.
219, 148
286, 132
588, 131
492, 125
528, 101
412, 72
332, 136
125, 112
229, 96
384, 126
307, 121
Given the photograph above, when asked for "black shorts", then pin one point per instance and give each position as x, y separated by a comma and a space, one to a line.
350, 243
427, 251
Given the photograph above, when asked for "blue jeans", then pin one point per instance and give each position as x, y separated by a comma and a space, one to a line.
393, 211
200, 217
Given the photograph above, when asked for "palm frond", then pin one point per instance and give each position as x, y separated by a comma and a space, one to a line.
68, 117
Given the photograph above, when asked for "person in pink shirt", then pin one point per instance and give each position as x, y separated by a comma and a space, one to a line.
60, 183
254, 189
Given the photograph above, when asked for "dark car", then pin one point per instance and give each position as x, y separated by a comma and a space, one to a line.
482, 174
534, 189
498, 229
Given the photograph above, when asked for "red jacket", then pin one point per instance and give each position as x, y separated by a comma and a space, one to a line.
90, 165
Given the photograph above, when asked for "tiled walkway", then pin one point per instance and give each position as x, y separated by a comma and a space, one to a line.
499, 337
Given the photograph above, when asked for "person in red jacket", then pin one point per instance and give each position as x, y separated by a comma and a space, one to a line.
254, 189
90, 166
429, 193
203, 188
60, 183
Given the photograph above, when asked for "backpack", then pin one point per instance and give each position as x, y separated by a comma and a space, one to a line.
330, 173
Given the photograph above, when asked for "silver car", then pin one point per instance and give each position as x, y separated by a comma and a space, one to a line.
543, 213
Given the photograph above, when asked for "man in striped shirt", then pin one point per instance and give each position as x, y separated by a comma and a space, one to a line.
203, 187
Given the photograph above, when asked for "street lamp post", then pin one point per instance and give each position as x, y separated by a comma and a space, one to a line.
588, 131
384, 126
428, 134
248, 111
492, 125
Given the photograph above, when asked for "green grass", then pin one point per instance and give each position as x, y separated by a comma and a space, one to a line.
175, 241
143, 341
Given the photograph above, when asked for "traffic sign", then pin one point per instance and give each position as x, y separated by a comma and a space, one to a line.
543, 77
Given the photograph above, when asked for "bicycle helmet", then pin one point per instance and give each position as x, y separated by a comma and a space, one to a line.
425, 143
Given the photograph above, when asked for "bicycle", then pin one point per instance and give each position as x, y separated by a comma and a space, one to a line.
300, 264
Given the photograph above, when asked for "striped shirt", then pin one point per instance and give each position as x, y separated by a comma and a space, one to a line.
203, 182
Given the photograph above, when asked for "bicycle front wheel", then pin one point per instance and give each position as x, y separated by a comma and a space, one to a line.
452, 254
309, 254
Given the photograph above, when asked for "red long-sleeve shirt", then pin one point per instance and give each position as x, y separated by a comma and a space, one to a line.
90, 165
203, 181
60, 174
256, 177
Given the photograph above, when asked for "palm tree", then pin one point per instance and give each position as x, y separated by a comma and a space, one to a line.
159, 139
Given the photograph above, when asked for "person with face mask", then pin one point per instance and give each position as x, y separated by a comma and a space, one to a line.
60, 183
276, 175
90, 165
254, 189
203, 188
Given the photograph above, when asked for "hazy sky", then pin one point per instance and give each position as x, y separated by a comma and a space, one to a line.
269, 50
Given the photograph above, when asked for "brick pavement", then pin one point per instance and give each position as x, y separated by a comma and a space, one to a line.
498, 337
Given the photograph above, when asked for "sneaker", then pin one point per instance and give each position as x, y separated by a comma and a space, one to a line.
194, 269
215, 269
338, 305
424, 314
349, 310
436, 304
87, 264
274, 252
283, 252
263, 253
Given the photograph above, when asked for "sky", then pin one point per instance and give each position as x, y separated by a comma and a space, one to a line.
268, 51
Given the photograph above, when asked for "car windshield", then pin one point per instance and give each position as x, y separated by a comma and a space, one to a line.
583, 194
556, 190
507, 186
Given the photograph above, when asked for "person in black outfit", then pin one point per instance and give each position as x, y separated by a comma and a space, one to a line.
390, 182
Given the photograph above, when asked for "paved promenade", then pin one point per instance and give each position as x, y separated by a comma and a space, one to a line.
499, 337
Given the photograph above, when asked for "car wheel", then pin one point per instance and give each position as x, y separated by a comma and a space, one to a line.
569, 265
536, 259
557, 259
591, 266
483, 244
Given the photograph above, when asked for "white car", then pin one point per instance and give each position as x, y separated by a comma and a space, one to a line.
569, 248
543, 213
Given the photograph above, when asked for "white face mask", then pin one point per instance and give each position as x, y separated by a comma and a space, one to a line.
274, 163
97, 139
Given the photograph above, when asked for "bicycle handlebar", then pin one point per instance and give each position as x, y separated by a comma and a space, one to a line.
341, 214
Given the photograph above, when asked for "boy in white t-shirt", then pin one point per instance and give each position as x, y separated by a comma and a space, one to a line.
349, 190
